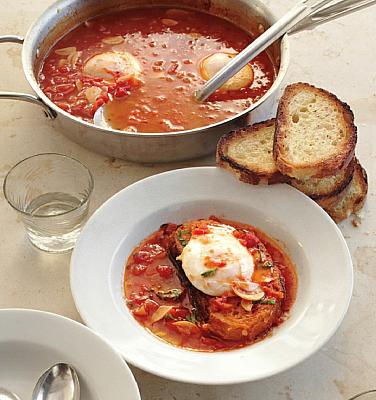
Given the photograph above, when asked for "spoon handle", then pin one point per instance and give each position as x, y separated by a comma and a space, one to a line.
283, 25
332, 12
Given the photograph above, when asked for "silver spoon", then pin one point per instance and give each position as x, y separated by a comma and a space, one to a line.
300, 17
369, 395
59, 382
7, 395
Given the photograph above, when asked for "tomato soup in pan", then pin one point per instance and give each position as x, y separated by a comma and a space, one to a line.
146, 65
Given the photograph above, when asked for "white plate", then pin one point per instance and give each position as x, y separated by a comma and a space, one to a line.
31, 341
314, 242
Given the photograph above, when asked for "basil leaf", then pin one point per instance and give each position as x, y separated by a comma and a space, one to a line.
181, 238
172, 294
209, 272
191, 318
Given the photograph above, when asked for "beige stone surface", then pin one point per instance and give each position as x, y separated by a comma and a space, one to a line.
341, 57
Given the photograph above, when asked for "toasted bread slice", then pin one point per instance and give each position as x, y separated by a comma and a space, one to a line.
237, 323
248, 153
330, 186
315, 133
351, 199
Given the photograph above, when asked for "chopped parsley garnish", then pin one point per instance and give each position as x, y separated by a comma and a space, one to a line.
267, 301
182, 232
209, 272
266, 264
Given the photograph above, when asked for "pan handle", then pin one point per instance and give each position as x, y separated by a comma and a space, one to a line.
24, 96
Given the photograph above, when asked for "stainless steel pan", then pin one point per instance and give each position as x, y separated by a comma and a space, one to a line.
64, 15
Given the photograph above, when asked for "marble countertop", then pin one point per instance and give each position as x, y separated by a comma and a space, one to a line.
341, 57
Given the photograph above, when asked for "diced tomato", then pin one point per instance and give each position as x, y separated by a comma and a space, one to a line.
137, 299
63, 69
200, 231
140, 311
165, 271
272, 293
238, 234
243, 242
137, 269
64, 106
148, 253
98, 103
66, 88
179, 313
120, 92
151, 306
252, 239
221, 304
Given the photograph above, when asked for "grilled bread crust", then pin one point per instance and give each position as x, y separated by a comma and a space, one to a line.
315, 133
318, 188
248, 154
351, 199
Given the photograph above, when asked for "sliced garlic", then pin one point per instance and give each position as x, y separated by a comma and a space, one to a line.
66, 51
248, 290
79, 85
247, 305
62, 62
92, 93
160, 313
113, 40
195, 35
73, 58
186, 327
169, 22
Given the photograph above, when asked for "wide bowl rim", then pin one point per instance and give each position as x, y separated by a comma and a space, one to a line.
213, 380
32, 80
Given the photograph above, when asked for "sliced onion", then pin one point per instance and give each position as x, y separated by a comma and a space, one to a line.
66, 51
92, 93
79, 85
247, 305
73, 58
186, 327
169, 22
113, 40
160, 313
248, 290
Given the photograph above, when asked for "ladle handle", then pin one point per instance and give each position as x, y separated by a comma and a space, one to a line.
24, 96
332, 12
278, 29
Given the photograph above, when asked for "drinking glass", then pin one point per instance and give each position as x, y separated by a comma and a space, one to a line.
51, 192
368, 395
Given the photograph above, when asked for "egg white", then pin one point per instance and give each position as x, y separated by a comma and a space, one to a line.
213, 63
105, 64
220, 245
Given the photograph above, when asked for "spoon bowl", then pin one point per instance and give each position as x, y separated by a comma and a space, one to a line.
7, 395
60, 382
369, 395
